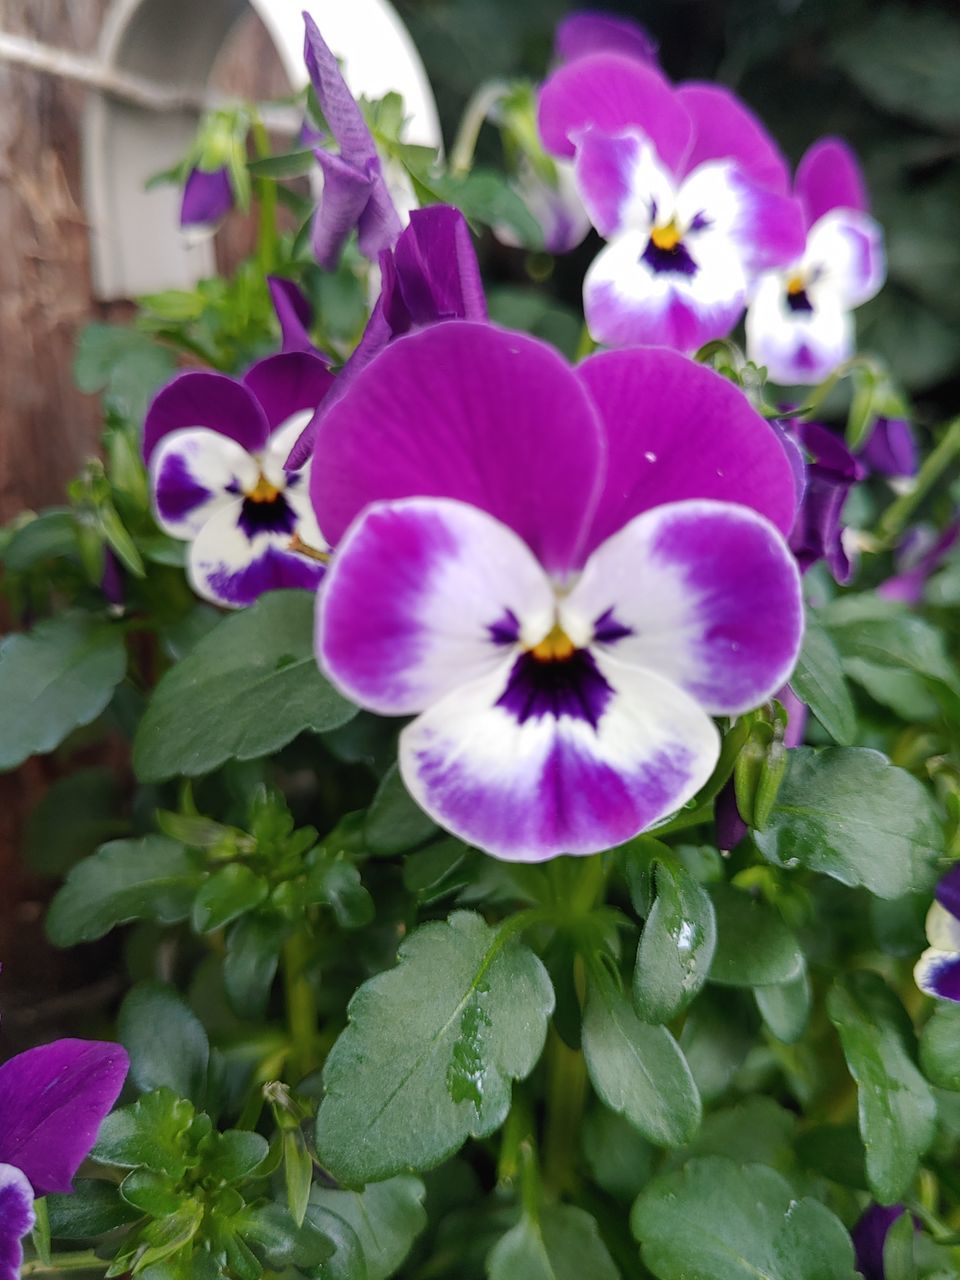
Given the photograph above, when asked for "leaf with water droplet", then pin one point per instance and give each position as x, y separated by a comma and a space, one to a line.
467, 1066
676, 946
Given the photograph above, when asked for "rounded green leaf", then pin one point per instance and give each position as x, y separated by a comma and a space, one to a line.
228, 894
245, 690
724, 1221
676, 947
754, 947
562, 1243
849, 813
785, 1007
395, 822
940, 1048
386, 1218
430, 1051
166, 1042
819, 681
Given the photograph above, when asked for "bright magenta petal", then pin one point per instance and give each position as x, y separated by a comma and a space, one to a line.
829, 177
725, 128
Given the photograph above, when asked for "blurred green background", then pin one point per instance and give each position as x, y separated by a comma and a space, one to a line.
884, 76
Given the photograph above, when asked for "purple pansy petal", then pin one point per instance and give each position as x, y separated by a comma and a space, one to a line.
677, 430
17, 1219
233, 561
627, 302
622, 181
200, 398
193, 475
294, 314
846, 254
829, 177
890, 449
831, 472
725, 128
528, 772
337, 103
293, 382
414, 603
706, 595
437, 276
346, 193
467, 411
909, 585
207, 198
797, 713
938, 974
796, 347
52, 1102
588, 31
611, 93
869, 1235
730, 826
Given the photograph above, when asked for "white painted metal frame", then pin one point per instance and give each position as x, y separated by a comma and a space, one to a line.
136, 244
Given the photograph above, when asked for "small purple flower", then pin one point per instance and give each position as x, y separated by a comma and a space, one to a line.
52, 1102
800, 322
869, 1235
890, 449
937, 972
593, 31
207, 198
217, 449
558, 572
687, 187
829, 472
920, 555
355, 193
431, 275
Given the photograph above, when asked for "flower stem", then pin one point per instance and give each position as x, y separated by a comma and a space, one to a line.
301, 1006
477, 110
267, 239
566, 1094
898, 514
59, 1262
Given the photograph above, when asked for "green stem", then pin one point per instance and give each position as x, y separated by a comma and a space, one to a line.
898, 514
477, 110
301, 1006
566, 1094
86, 1261
268, 243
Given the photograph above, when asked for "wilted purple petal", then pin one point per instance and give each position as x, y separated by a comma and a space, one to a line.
16, 1219
869, 1234
592, 31
207, 198
346, 193
831, 471
294, 314
52, 1102
890, 448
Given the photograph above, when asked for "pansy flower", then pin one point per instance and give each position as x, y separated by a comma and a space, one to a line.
686, 186
431, 275
52, 1102
355, 192
562, 574
937, 972
207, 198
800, 322
217, 448
869, 1235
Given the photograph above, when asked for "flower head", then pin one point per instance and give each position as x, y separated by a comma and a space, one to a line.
355, 193
890, 449
217, 449
799, 323
827, 472
558, 572
937, 972
207, 198
52, 1102
686, 186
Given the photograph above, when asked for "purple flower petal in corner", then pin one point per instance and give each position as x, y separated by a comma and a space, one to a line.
592, 31
869, 1235
16, 1219
729, 825
797, 712
831, 471
918, 563
52, 1102
948, 891
293, 312
355, 193
207, 198
890, 449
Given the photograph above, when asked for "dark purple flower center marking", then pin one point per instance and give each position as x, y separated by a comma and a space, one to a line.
674, 259
572, 686
270, 515
178, 490
608, 629
797, 300
506, 630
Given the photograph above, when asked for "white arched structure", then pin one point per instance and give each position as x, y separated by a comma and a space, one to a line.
136, 244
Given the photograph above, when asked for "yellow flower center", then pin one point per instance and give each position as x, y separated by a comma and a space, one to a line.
263, 490
556, 646
667, 237
796, 284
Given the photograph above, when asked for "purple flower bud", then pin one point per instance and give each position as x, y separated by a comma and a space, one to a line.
730, 826
590, 31
890, 449
831, 470
869, 1235
207, 198
919, 557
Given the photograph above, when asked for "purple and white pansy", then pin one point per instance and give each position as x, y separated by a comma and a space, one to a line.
559, 572
937, 972
687, 187
800, 322
52, 1102
217, 449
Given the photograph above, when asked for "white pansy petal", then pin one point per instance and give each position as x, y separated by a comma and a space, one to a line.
938, 974
797, 346
623, 184
241, 552
845, 256
943, 928
195, 472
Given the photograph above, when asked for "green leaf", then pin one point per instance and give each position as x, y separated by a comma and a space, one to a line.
243, 691
170, 1234
888, 634
166, 1042
48, 535
75, 815
430, 1050
297, 1173
562, 1244
940, 1048
899, 1259
725, 1221
250, 963
92, 1209
848, 813
291, 164
756, 1131
636, 1068
386, 1218
897, 1108
53, 679
346, 1261
836, 1151
819, 681
149, 1134
228, 894
153, 878
336, 883
619, 1159
716, 1038
676, 946
152, 1193
234, 1154
126, 365
486, 196
785, 1007
395, 822
754, 947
